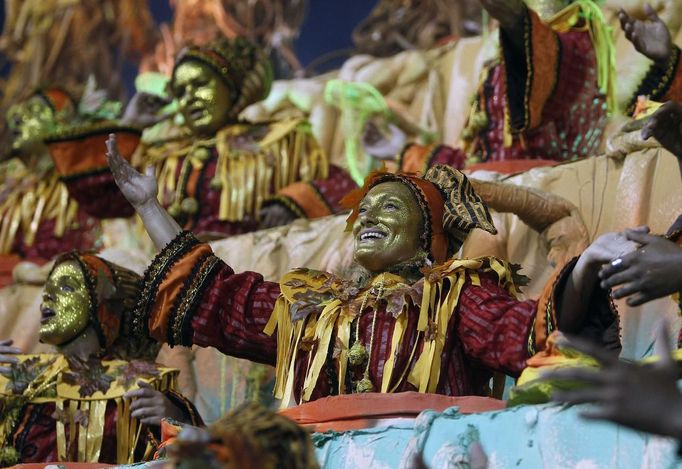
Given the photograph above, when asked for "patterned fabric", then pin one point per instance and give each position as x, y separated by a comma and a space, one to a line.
556, 112
318, 198
663, 82
63, 408
215, 187
488, 331
82, 234
35, 438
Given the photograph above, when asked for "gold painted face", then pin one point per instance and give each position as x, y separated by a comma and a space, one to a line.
66, 304
389, 227
29, 122
203, 98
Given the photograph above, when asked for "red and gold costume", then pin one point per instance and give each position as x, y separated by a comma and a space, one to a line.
445, 333
38, 219
547, 101
216, 186
65, 408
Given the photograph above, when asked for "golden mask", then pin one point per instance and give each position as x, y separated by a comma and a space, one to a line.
29, 122
389, 227
203, 97
547, 8
66, 305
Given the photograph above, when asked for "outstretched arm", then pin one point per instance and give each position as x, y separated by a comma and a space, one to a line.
141, 191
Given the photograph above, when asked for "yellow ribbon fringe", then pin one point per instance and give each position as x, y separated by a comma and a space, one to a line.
26, 206
247, 173
440, 297
86, 439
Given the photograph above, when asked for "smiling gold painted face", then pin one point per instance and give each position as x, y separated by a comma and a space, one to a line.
204, 99
66, 304
389, 227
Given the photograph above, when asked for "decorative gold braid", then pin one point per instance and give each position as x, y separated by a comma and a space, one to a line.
155, 273
188, 299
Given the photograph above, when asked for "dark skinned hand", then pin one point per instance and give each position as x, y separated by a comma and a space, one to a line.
650, 272
642, 397
275, 215
6, 358
665, 125
650, 37
508, 13
150, 405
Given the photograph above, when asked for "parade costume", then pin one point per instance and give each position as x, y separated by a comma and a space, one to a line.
443, 334
38, 218
215, 185
548, 101
59, 407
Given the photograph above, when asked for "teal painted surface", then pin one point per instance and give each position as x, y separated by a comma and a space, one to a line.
544, 436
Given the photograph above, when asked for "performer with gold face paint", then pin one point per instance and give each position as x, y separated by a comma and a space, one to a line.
410, 317
99, 396
38, 220
217, 174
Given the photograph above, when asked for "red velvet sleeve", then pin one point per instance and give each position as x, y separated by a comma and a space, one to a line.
549, 74
494, 327
318, 198
663, 82
190, 296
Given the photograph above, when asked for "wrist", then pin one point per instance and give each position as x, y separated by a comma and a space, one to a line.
148, 207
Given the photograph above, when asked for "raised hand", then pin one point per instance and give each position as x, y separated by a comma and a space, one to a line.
650, 272
650, 37
143, 110
137, 188
150, 405
383, 145
665, 125
6, 358
642, 397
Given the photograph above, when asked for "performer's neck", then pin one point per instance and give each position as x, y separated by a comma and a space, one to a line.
83, 346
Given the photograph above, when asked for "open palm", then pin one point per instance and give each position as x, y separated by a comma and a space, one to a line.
136, 187
650, 37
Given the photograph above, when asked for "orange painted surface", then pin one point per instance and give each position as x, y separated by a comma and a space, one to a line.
356, 411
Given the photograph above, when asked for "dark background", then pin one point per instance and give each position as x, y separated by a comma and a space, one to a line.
327, 27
